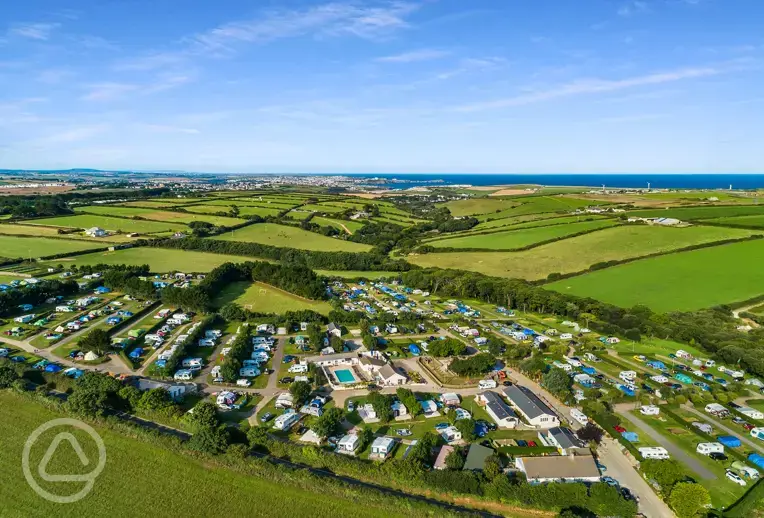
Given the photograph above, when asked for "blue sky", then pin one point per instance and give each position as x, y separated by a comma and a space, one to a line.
383, 86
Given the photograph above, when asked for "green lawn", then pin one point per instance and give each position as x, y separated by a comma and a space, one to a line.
244, 210
579, 253
749, 221
160, 260
157, 215
512, 239
352, 226
86, 221
292, 237
38, 231
167, 483
698, 213
33, 247
264, 298
677, 282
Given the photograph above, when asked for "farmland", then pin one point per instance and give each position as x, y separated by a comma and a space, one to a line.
293, 237
26, 247
39, 231
495, 208
701, 213
579, 253
171, 478
159, 260
512, 239
262, 298
677, 282
157, 215
86, 221
755, 221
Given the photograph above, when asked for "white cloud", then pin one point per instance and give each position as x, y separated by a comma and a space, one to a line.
162, 128
414, 56
633, 7
53, 76
593, 86
108, 91
76, 134
111, 91
35, 31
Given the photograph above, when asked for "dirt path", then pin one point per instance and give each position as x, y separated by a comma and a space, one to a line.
346, 229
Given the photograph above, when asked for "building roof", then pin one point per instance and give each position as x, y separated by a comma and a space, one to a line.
528, 402
476, 457
332, 326
348, 440
559, 467
330, 357
388, 372
440, 460
370, 360
383, 442
499, 408
564, 437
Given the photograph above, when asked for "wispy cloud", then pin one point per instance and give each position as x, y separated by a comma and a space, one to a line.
108, 91
162, 128
75, 134
53, 76
112, 91
95, 42
633, 7
639, 117
593, 86
35, 31
414, 56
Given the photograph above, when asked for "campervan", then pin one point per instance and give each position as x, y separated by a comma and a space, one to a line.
183, 375
579, 416
485, 384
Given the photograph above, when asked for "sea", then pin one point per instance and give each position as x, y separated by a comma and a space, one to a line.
655, 181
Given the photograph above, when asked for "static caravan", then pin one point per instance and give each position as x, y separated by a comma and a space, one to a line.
654, 453
707, 448
579, 416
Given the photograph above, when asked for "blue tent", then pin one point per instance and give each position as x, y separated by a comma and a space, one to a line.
730, 441
414, 349
589, 370
52, 367
757, 459
136, 353
626, 390
630, 436
160, 363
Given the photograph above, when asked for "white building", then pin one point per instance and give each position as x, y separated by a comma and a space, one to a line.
500, 412
531, 408
649, 410
95, 232
567, 468
451, 434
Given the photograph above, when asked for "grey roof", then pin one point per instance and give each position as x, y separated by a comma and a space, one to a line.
332, 326
499, 408
476, 457
331, 357
564, 437
528, 402
368, 360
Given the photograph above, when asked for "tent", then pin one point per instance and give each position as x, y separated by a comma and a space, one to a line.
756, 459
136, 353
414, 349
52, 367
630, 436
730, 441
91, 356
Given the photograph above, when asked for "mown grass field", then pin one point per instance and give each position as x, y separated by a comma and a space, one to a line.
263, 298
756, 221
162, 482
494, 208
292, 237
244, 210
32, 247
159, 259
677, 282
38, 231
512, 239
157, 215
530, 220
86, 221
579, 253
339, 224
701, 213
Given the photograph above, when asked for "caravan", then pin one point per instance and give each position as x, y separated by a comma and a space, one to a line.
486, 384
657, 453
184, 375
579, 416
192, 363
707, 448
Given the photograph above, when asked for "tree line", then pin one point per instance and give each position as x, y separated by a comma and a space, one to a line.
35, 294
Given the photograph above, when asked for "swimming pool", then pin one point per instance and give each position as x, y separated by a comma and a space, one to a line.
344, 375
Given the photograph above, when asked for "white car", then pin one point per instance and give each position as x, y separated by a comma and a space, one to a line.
243, 382
735, 478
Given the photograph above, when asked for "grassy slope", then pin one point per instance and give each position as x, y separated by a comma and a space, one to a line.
520, 238
267, 299
684, 281
158, 259
751, 221
286, 236
157, 215
578, 253
142, 479
696, 213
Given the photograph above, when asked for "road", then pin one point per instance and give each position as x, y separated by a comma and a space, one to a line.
743, 435
675, 451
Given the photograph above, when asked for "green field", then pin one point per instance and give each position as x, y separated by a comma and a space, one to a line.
38, 231
701, 213
113, 224
678, 282
292, 237
352, 226
244, 210
348, 274
163, 482
512, 239
263, 298
32, 247
494, 208
159, 259
579, 253
756, 221
157, 215
530, 220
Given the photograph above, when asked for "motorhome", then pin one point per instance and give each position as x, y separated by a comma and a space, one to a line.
579, 416
485, 384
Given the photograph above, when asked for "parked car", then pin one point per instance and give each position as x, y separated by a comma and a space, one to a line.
521, 443
748, 426
286, 379
738, 420
734, 477
288, 359
404, 432
601, 467
610, 481
619, 428
441, 426
351, 405
717, 455
532, 444
507, 383
266, 417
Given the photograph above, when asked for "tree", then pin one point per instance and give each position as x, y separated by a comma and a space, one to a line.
155, 399
409, 400
130, 396
557, 382
98, 382
447, 347
496, 347
210, 440
257, 435
533, 366
233, 311
381, 404
329, 422
7, 376
467, 428
590, 432
365, 437
205, 415
473, 366
300, 391
455, 459
87, 402
492, 467
665, 472
96, 340
688, 499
